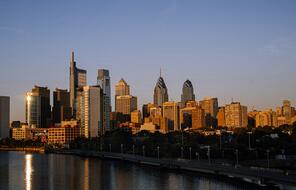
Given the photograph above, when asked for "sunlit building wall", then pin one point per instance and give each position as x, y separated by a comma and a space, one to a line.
4, 116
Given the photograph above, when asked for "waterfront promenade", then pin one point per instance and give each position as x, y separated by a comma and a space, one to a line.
260, 176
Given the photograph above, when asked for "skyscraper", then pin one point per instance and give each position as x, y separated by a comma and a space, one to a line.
61, 110
236, 115
160, 92
38, 111
103, 80
171, 116
187, 93
77, 80
122, 88
91, 111
210, 105
287, 110
124, 102
4, 116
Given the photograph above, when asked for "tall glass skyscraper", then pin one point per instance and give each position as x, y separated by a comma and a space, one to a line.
160, 92
103, 80
187, 93
77, 80
38, 110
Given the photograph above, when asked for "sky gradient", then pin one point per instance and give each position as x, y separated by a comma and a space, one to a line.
245, 50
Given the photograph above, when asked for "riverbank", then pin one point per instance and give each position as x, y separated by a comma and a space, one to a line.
25, 149
257, 176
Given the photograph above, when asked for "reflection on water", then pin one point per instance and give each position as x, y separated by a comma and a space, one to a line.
49, 171
28, 171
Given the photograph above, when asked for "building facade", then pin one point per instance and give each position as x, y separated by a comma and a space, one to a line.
38, 110
170, 111
4, 116
104, 81
187, 93
210, 106
91, 111
236, 115
126, 104
160, 92
77, 80
61, 110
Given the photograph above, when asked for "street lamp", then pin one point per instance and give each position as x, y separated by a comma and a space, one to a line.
236, 153
133, 149
182, 149
209, 154
121, 148
110, 148
190, 153
197, 155
249, 133
267, 154
143, 149
158, 152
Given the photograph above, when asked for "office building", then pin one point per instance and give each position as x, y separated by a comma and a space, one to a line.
38, 110
160, 92
4, 116
266, 118
287, 110
136, 116
236, 115
77, 80
103, 80
122, 88
91, 111
126, 104
192, 117
170, 115
61, 110
221, 117
210, 106
187, 93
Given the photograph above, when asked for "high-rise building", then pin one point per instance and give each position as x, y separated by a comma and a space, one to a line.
91, 111
187, 93
126, 104
38, 110
104, 81
77, 80
136, 116
160, 92
266, 118
61, 110
122, 88
210, 106
236, 115
192, 116
287, 110
4, 116
221, 117
170, 111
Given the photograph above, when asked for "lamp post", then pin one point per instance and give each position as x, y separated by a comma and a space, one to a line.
182, 150
250, 133
110, 148
236, 153
189, 153
197, 155
209, 154
267, 154
121, 146
133, 149
143, 149
158, 152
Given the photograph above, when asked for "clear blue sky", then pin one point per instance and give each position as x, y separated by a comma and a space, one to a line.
245, 50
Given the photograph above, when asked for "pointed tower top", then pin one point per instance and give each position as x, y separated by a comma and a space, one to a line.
160, 72
72, 56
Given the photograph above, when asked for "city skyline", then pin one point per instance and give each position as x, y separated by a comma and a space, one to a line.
251, 66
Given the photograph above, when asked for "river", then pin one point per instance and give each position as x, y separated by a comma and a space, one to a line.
19, 170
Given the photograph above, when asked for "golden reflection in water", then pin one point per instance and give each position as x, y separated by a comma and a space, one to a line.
28, 171
86, 175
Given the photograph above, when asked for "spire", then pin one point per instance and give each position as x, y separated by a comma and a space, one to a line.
160, 72
72, 56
